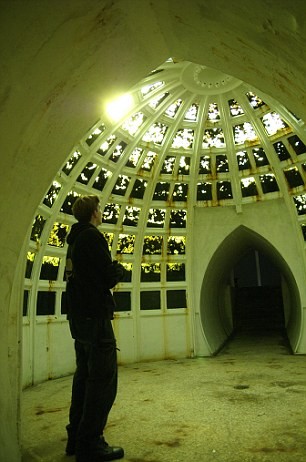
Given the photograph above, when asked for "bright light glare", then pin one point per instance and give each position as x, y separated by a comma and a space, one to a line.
119, 107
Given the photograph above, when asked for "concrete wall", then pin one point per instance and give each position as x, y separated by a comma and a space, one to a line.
60, 60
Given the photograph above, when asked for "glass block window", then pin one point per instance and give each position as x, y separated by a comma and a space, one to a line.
168, 165
106, 145
122, 300
121, 185
131, 216
57, 237
221, 164
25, 305
213, 137
45, 305
254, 100
118, 151
248, 187
180, 192
260, 157
150, 272
281, 151
64, 306
244, 133
126, 244
152, 245
101, 179
192, 113
273, 123
293, 177
150, 300
176, 299
111, 213
87, 173
149, 161
243, 160
134, 158
95, 134
204, 167
128, 271
37, 227
132, 124
156, 218
184, 166
224, 190
49, 268
268, 183
139, 189
71, 162
183, 139
154, 103
300, 204
110, 239
149, 88
172, 110
52, 194
29, 264
156, 133
176, 245
213, 114
178, 219
175, 272
235, 108
297, 144
204, 191
161, 192
68, 202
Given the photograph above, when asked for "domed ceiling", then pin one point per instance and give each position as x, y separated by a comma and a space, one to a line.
193, 137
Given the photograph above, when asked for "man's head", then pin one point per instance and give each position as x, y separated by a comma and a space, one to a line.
86, 209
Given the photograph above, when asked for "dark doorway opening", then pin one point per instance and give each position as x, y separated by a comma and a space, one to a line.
258, 311
258, 302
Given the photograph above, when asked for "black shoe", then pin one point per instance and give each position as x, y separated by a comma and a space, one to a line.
103, 452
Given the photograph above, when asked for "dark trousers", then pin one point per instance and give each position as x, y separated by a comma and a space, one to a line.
94, 385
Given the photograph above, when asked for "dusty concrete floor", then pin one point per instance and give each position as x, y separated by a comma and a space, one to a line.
248, 404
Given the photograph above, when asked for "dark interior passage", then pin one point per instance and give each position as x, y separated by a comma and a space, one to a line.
258, 302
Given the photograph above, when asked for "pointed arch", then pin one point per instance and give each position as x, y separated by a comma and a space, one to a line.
216, 302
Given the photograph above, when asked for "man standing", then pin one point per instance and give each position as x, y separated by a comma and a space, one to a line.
90, 274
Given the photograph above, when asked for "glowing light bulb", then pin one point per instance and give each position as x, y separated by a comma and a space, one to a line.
117, 108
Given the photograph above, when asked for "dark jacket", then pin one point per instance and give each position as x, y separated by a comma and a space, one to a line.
92, 275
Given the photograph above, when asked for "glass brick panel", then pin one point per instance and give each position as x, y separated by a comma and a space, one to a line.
176, 245
111, 213
224, 190
175, 272
150, 300
45, 305
49, 268
176, 299
126, 243
268, 183
150, 272
152, 245
123, 301
58, 235
52, 194
178, 219
204, 192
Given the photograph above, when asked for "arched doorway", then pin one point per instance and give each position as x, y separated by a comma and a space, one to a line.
219, 295
258, 299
